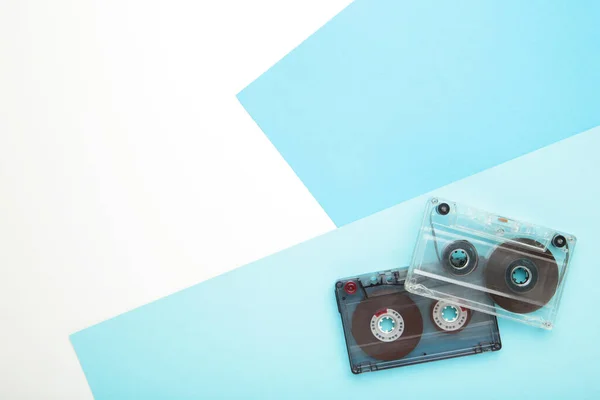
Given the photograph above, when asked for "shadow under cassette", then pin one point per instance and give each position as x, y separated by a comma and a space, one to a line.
490, 263
385, 326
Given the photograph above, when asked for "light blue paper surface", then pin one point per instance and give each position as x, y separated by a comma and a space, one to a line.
271, 330
395, 98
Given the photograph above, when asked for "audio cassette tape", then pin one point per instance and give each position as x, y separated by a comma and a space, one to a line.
490, 263
385, 326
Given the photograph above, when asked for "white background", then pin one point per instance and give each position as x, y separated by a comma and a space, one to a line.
128, 169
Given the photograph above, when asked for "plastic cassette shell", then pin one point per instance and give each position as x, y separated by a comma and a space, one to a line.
490, 263
418, 334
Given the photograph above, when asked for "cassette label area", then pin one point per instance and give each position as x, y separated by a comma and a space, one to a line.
490, 263
385, 326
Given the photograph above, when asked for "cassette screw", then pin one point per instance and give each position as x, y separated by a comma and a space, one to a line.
443, 209
559, 241
350, 287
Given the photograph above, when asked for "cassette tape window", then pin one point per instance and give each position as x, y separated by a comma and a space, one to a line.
490, 263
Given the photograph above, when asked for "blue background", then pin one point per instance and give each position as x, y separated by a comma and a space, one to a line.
395, 98
271, 329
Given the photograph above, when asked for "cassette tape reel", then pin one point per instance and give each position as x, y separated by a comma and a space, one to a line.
490, 263
385, 326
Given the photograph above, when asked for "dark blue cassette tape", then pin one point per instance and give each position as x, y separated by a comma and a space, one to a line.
385, 326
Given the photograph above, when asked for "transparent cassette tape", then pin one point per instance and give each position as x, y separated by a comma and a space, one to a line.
490, 263
385, 326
